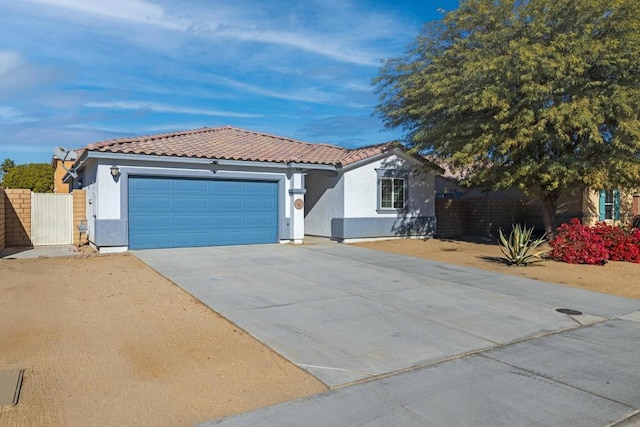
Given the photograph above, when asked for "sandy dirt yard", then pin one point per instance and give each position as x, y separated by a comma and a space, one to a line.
617, 278
106, 341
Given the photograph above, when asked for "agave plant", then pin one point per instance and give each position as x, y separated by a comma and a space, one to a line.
519, 249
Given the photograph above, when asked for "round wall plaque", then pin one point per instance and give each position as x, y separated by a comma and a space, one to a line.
298, 204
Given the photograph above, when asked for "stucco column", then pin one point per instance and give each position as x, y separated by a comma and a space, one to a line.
296, 194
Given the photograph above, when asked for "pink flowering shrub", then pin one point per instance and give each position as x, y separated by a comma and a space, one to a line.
580, 244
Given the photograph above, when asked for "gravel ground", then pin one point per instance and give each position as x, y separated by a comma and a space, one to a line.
106, 341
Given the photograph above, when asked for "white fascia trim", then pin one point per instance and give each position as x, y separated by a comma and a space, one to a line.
311, 166
395, 151
194, 160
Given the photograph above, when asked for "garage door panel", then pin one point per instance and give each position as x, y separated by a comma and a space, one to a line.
174, 212
150, 221
228, 238
189, 203
150, 185
151, 240
192, 238
220, 222
223, 187
190, 221
152, 202
255, 220
254, 187
191, 186
256, 234
259, 204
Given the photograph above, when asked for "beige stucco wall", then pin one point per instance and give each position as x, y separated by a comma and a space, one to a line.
583, 204
591, 202
568, 206
59, 172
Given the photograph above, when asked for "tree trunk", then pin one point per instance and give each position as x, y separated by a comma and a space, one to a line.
549, 215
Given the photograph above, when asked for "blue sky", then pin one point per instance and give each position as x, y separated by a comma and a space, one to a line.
74, 72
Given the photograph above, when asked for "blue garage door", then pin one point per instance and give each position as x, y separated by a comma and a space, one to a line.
175, 213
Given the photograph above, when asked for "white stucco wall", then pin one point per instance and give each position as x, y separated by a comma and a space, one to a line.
324, 200
108, 204
107, 198
361, 189
88, 183
352, 195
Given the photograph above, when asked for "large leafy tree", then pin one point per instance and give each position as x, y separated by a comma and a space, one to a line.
540, 94
37, 177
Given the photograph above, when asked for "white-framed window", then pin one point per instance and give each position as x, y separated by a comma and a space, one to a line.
392, 193
392, 190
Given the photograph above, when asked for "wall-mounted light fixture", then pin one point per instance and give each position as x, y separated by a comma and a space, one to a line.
115, 171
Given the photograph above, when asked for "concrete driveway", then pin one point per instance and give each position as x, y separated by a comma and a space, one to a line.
405, 341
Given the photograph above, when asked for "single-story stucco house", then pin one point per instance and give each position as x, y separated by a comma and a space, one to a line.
227, 186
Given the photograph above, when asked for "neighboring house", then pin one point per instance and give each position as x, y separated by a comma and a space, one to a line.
59, 185
590, 206
483, 211
226, 186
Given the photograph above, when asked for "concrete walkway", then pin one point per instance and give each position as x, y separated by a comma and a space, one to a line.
405, 341
49, 251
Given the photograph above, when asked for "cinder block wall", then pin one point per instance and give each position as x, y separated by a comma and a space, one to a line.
486, 216
79, 213
17, 211
478, 216
450, 217
2, 220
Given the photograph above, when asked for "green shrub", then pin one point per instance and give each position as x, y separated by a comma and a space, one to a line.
518, 248
37, 177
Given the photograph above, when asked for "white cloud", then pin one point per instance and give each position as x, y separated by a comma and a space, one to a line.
358, 87
137, 11
9, 61
325, 45
17, 74
9, 115
340, 33
161, 108
307, 95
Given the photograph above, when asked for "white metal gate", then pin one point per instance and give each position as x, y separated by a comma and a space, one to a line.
51, 219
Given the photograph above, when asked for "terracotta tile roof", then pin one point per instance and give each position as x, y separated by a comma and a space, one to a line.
229, 143
447, 171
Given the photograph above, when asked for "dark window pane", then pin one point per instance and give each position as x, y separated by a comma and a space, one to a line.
398, 193
386, 193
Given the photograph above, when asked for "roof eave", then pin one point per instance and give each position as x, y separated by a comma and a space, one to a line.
394, 150
201, 160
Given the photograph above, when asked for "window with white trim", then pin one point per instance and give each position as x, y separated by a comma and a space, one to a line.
392, 189
392, 194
